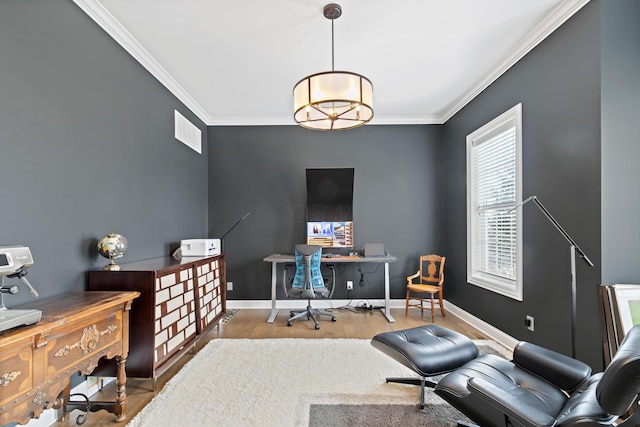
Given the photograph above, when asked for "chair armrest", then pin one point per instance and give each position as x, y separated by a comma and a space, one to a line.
556, 368
413, 276
505, 402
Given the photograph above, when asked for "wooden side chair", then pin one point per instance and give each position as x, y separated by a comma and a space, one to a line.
428, 280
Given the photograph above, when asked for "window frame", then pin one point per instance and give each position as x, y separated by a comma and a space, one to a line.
511, 288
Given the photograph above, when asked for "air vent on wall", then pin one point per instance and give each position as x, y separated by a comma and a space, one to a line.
187, 132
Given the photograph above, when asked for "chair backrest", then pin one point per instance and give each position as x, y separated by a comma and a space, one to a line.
308, 276
619, 386
432, 269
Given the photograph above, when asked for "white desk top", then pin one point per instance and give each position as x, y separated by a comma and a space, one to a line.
280, 258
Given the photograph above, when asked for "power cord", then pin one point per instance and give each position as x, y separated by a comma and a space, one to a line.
363, 282
367, 306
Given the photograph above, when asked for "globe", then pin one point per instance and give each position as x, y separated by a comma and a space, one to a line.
112, 246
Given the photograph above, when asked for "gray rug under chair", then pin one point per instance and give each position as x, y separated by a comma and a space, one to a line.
375, 415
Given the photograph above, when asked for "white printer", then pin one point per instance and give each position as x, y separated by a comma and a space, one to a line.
200, 247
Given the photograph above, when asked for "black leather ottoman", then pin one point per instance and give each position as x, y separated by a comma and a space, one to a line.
428, 350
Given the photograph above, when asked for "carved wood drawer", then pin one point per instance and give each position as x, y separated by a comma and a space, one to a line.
71, 343
15, 372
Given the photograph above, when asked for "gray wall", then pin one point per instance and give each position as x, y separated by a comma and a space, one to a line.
87, 148
558, 84
397, 191
620, 141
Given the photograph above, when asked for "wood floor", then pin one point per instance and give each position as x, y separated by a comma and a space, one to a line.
351, 323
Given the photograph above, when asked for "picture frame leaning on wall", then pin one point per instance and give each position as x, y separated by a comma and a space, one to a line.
620, 312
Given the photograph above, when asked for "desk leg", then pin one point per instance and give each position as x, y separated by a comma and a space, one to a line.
386, 309
274, 311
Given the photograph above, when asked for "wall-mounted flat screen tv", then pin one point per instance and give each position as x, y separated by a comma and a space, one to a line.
330, 194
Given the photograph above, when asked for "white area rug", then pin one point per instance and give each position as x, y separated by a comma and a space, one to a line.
273, 382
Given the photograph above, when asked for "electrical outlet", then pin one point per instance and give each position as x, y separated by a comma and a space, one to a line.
529, 322
229, 286
349, 285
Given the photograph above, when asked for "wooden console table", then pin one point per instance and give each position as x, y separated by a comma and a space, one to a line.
76, 330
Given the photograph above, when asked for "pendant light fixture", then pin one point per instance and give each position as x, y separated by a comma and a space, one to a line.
333, 100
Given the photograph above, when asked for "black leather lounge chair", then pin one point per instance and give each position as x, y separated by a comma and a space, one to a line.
540, 387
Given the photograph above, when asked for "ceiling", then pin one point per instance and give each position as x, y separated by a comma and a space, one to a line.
236, 62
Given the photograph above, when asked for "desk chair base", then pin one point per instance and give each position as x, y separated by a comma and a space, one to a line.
309, 313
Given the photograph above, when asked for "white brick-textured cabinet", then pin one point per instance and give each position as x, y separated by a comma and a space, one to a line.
179, 301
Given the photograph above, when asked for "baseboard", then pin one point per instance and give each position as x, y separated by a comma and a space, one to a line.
489, 330
484, 327
292, 304
47, 418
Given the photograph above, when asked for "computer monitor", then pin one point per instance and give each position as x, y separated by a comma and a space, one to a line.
333, 234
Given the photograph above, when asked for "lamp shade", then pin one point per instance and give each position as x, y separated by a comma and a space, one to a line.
333, 100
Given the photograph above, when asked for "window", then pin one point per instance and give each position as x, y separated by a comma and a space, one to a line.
494, 187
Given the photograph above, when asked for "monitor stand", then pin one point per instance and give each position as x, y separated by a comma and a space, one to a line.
330, 251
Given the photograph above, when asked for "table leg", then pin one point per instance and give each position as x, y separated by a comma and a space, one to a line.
120, 407
274, 311
386, 309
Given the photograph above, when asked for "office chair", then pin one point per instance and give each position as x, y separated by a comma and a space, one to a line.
428, 280
308, 283
540, 387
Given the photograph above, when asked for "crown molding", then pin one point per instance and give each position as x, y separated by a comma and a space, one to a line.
406, 120
288, 120
96, 11
556, 18
253, 121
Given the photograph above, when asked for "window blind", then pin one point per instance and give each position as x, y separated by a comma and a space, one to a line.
493, 194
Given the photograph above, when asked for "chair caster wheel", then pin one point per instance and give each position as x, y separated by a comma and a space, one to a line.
289, 323
333, 319
317, 326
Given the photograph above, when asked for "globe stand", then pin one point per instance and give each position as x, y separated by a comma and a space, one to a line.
112, 266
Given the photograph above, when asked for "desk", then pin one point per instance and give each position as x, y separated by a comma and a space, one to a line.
276, 259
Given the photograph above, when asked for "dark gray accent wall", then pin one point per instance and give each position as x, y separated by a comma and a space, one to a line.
397, 193
87, 148
558, 84
620, 141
